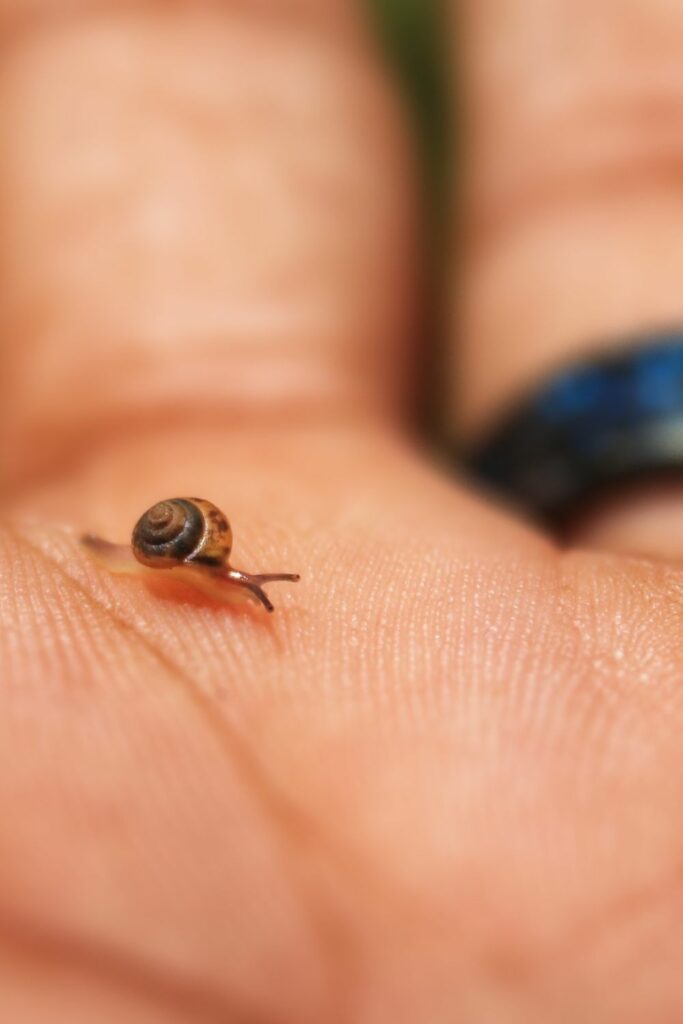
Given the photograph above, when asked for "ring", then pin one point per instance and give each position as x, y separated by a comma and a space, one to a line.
594, 426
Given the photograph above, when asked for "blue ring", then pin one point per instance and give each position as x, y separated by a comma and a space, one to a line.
595, 425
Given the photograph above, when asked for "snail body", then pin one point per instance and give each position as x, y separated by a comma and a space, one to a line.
190, 534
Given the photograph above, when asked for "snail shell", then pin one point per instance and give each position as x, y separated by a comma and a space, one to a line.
182, 531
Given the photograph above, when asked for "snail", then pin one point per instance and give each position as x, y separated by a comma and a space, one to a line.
191, 537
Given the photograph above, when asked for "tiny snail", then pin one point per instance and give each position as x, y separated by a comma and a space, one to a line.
191, 537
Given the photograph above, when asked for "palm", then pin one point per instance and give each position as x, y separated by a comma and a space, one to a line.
451, 748
442, 782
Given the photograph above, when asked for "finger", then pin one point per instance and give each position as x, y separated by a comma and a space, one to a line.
206, 217
574, 206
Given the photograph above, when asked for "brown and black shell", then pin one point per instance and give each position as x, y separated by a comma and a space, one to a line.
182, 531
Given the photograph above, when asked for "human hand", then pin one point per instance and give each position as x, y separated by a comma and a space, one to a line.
442, 782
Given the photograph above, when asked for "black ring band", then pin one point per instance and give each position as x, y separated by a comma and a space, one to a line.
598, 424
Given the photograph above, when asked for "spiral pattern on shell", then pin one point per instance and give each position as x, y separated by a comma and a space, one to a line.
169, 532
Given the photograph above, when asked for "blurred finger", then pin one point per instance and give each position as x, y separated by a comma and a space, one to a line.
206, 214
574, 206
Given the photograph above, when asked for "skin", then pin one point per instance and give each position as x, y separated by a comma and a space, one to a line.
443, 781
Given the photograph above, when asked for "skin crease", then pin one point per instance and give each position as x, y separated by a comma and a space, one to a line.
443, 781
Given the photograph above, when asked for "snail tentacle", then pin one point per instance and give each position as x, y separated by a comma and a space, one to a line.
254, 582
243, 579
274, 577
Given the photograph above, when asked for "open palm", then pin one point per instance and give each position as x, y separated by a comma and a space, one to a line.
443, 781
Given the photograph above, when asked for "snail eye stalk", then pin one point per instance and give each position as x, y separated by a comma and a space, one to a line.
254, 583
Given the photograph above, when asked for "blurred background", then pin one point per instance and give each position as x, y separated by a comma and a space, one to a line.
417, 42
